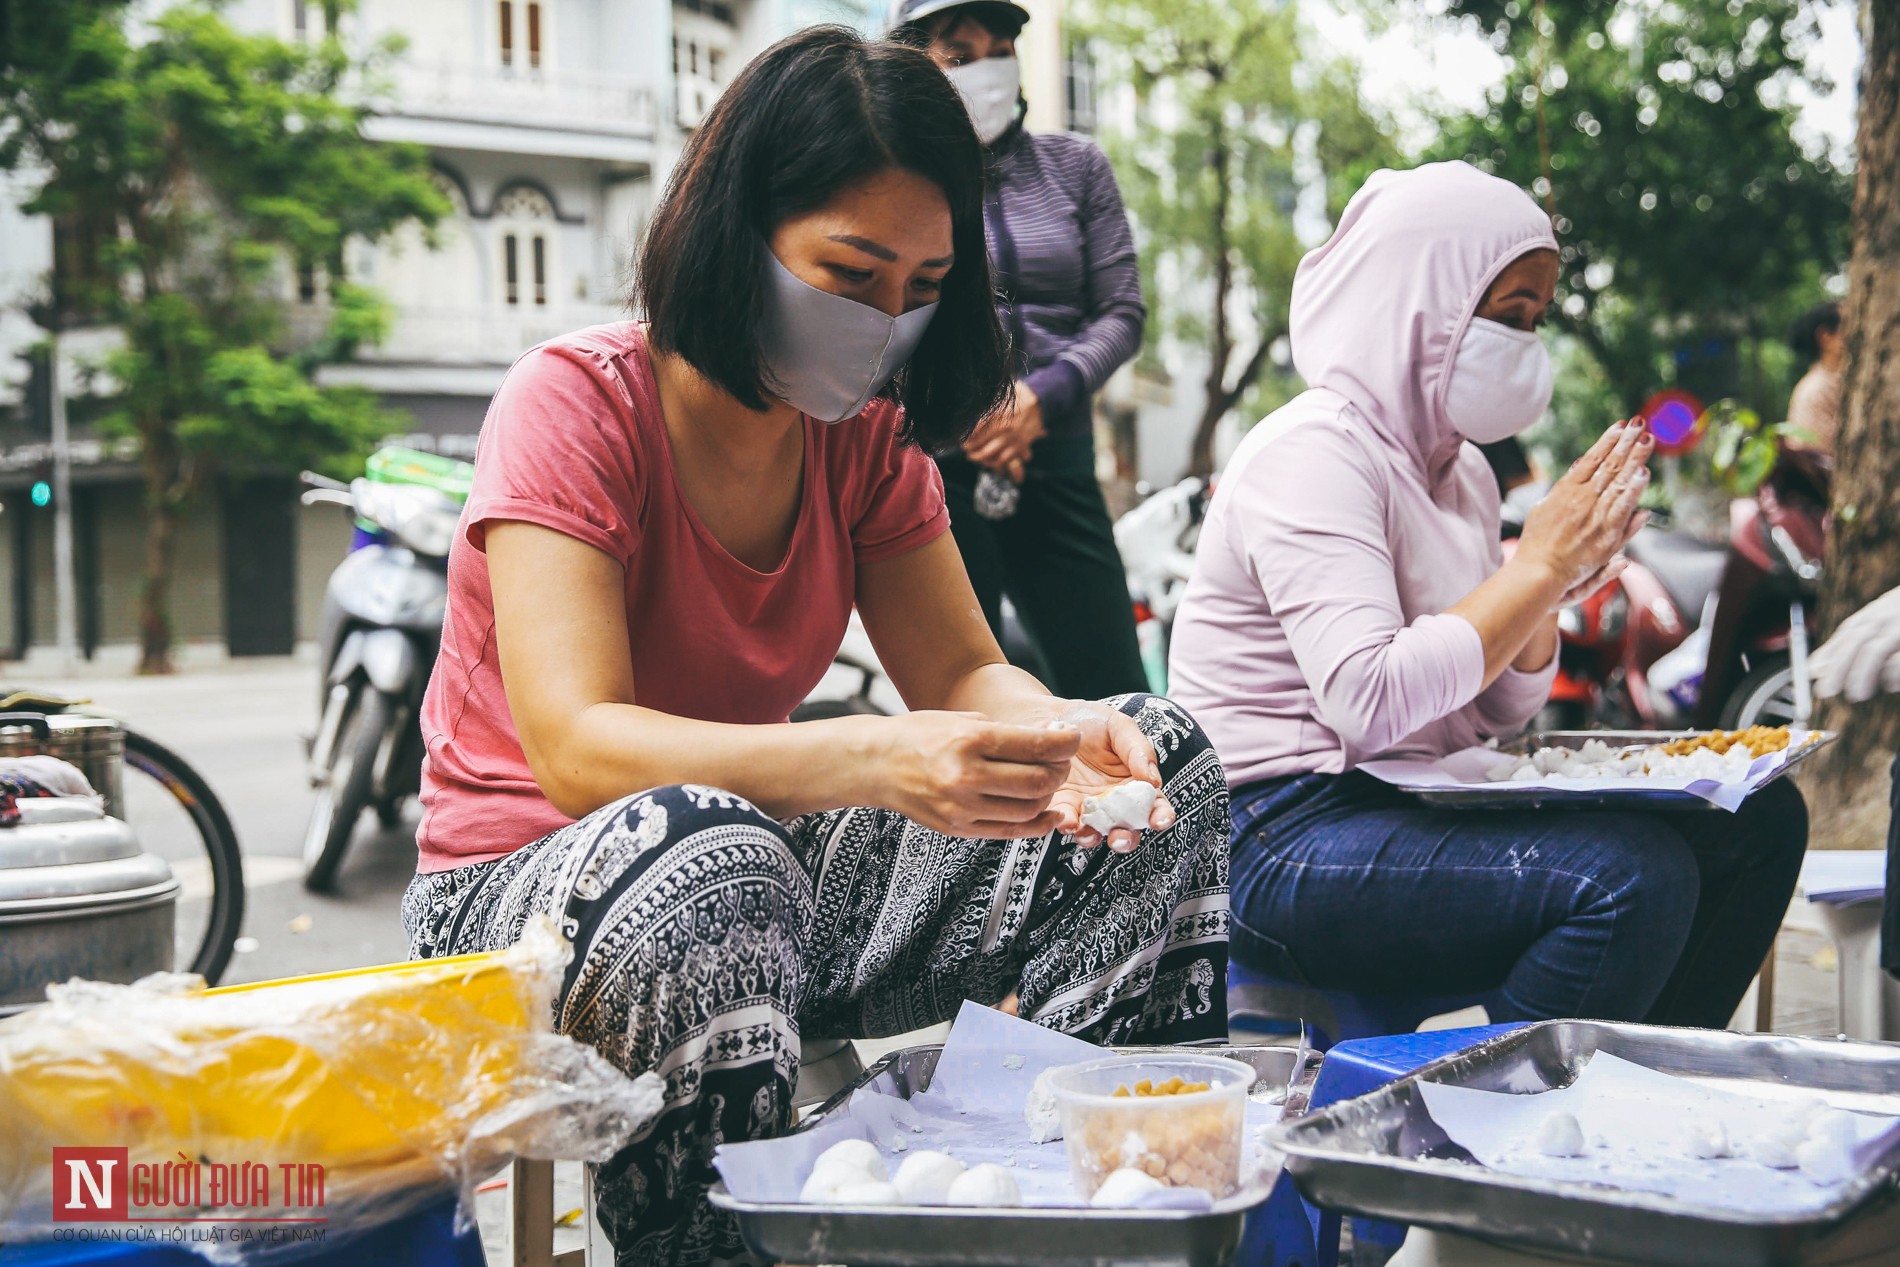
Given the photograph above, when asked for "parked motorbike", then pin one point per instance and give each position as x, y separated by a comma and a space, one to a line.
380, 631
1758, 643
1702, 635
1156, 540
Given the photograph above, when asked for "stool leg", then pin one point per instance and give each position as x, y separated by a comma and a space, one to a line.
1765, 993
531, 1213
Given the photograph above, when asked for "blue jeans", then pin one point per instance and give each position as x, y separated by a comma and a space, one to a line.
1342, 882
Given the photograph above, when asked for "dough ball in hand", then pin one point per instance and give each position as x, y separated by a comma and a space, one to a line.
1124, 805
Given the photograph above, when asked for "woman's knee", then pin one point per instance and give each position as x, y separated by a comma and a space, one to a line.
1644, 869
1180, 742
670, 839
1772, 825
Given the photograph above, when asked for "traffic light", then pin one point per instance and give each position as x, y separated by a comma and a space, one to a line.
40, 491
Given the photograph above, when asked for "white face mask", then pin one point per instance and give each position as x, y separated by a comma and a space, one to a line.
828, 355
1500, 382
990, 89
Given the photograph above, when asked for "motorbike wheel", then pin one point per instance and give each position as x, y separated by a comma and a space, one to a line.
1765, 697
342, 800
850, 706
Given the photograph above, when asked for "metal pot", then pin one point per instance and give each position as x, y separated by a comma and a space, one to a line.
95, 744
79, 898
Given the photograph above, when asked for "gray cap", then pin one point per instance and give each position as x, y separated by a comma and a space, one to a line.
903, 11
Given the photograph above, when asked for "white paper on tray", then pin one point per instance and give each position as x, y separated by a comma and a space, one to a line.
1636, 1123
973, 1110
1466, 769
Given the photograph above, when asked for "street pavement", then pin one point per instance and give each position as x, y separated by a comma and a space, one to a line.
241, 724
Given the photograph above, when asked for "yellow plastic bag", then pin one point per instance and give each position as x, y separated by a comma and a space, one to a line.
392, 1078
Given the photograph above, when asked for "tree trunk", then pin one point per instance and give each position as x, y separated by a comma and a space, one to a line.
1849, 785
160, 463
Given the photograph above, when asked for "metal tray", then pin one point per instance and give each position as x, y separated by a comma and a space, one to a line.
1382, 1155
1519, 797
939, 1236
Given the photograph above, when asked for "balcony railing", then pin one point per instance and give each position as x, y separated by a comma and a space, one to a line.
481, 337
590, 101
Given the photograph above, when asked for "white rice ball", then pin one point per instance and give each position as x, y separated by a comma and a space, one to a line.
1560, 1135
1041, 1111
853, 1154
988, 1185
1707, 1140
925, 1178
1124, 1188
868, 1192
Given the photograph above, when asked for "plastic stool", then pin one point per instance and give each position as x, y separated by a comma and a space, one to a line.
1356, 1067
1870, 999
424, 1239
1333, 1016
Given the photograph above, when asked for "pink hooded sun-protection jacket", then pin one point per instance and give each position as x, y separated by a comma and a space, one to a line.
1311, 637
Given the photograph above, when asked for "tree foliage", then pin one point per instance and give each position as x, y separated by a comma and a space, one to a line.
1690, 217
1234, 119
193, 172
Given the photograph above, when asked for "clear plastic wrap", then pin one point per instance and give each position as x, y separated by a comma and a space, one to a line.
395, 1080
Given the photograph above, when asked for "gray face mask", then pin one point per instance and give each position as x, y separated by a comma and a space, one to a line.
826, 355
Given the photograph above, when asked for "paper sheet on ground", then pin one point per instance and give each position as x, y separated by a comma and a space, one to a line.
1636, 1123
973, 1111
1465, 770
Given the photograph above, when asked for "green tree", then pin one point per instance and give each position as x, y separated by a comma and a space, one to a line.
196, 172
1661, 136
1863, 550
1230, 112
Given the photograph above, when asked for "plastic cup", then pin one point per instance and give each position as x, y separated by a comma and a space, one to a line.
1185, 1141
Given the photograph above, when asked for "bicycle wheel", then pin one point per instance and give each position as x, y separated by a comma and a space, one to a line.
176, 815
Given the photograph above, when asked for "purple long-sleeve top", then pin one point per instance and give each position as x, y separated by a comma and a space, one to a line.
1314, 633
1064, 257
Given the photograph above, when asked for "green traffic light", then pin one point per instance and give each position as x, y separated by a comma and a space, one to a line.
42, 492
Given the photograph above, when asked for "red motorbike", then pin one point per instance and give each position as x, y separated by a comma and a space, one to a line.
1702, 635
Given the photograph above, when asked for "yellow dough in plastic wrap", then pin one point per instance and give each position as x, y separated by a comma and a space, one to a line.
390, 1076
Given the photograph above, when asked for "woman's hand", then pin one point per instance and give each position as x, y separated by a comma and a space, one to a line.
1592, 513
1003, 440
964, 775
1112, 751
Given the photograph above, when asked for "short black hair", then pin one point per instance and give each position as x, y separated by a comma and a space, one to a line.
811, 116
1805, 335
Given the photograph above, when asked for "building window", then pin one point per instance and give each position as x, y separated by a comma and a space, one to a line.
525, 219
1078, 73
676, 55
306, 281
507, 32
300, 19
534, 35
713, 59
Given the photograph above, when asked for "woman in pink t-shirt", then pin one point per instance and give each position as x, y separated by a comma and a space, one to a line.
664, 542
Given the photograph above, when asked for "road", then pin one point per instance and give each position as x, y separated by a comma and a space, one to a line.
241, 726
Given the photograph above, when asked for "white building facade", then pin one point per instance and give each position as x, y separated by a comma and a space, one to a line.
550, 126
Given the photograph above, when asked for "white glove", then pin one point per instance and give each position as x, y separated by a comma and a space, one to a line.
1863, 657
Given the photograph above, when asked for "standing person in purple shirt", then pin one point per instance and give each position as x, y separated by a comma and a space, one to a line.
1070, 297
